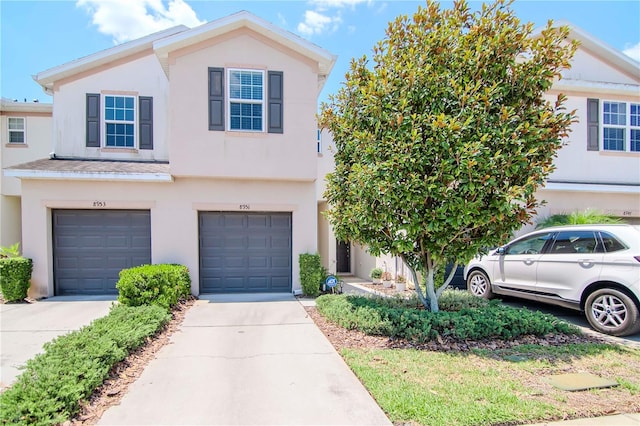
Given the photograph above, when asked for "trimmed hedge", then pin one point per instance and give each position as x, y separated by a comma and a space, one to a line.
162, 285
375, 315
311, 274
15, 276
74, 365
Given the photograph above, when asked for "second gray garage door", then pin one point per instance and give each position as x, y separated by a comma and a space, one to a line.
245, 252
91, 247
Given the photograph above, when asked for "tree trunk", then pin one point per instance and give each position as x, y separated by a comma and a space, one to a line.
431, 291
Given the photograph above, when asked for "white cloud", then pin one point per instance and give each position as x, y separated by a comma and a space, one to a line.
317, 23
282, 19
126, 20
633, 52
324, 4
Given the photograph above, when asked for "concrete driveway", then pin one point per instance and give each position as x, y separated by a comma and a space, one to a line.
25, 327
247, 360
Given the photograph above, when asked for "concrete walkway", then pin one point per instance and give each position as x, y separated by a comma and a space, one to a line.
25, 327
247, 360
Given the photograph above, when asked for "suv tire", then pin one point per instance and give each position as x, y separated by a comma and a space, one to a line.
479, 285
611, 311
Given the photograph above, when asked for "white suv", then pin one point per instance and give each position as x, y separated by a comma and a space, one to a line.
592, 268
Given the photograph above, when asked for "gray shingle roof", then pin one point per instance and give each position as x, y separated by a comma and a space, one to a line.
49, 168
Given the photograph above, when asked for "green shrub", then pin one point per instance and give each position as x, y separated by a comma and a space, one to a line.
453, 300
74, 365
311, 274
476, 320
162, 285
11, 251
15, 274
376, 273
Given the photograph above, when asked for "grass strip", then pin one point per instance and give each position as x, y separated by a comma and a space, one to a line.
72, 366
486, 388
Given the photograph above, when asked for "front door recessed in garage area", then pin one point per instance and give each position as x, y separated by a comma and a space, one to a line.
245, 252
91, 247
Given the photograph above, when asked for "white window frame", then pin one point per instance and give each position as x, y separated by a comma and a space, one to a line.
105, 121
23, 130
627, 127
229, 100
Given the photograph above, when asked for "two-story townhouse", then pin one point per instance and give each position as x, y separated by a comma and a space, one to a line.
192, 146
598, 167
25, 135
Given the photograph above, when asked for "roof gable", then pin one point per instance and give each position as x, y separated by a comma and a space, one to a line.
244, 19
47, 78
600, 51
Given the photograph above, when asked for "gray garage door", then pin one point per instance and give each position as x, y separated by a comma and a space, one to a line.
90, 248
245, 252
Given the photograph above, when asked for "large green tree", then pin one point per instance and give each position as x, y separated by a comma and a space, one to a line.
442, 141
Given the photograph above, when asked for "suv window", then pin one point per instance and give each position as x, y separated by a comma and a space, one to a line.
575, 242
611, 243
532, 244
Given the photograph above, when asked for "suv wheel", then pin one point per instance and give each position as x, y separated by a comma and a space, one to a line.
479, 285
612, 312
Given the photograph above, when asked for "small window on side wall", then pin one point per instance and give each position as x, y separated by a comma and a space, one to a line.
17, 130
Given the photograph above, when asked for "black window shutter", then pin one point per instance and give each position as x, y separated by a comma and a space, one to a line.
593, 128
216, 98
145, 125
274, 102
93, 120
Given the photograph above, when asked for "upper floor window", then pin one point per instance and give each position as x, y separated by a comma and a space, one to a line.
119, 121
246, 100
16, 129
613, 126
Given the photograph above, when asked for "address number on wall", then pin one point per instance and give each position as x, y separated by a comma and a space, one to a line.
99, 204
245, 207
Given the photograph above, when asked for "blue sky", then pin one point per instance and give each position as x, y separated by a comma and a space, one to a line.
38, 35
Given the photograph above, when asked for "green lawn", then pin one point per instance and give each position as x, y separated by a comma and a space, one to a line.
495, 387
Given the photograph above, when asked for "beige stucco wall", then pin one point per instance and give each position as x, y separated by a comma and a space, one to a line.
37, 118
174, 216
196, 151
140, 75
575, 163
588, 66
10, 223
37, 145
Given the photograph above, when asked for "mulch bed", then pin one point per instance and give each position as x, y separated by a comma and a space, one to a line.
342, 338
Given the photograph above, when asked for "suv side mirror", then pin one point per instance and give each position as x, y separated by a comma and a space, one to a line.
501, 251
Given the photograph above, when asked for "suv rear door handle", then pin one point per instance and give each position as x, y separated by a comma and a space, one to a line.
586, 263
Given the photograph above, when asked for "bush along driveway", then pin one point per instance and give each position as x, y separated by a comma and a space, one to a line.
56, 382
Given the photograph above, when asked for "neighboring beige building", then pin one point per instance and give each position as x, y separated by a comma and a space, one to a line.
598, 168
25, 135
192, 146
